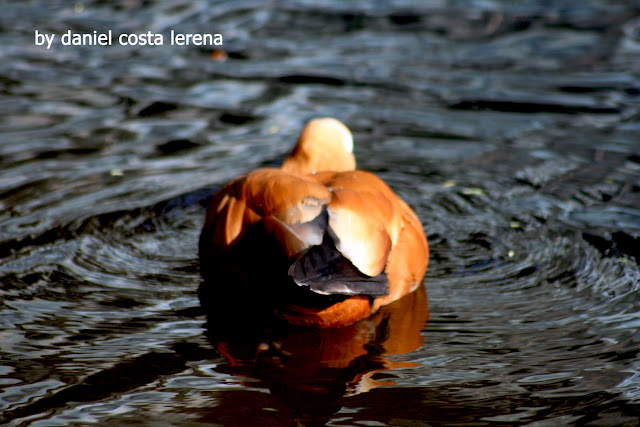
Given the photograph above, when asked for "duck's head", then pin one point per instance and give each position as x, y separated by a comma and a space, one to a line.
324, 145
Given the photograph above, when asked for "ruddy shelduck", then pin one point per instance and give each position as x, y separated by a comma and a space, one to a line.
316, 242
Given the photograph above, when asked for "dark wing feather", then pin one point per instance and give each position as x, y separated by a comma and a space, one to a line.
325, 271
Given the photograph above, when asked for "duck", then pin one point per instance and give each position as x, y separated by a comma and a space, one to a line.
315, 242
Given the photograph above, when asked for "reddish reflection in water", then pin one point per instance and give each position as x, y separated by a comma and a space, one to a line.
312, 372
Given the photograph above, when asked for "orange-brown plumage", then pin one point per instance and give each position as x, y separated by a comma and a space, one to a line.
319, 243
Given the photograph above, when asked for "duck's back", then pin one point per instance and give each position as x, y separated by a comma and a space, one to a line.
330, 233
322, 248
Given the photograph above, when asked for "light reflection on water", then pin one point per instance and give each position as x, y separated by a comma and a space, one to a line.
511, 129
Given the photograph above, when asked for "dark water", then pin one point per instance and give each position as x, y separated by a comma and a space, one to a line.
512, 128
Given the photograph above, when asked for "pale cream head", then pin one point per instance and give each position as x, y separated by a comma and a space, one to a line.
325, 144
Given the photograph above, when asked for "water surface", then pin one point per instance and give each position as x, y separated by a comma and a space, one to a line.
512, 129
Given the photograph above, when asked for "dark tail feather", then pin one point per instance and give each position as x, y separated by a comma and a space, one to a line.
325, 271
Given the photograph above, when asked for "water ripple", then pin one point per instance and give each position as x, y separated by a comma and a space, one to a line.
509, 128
